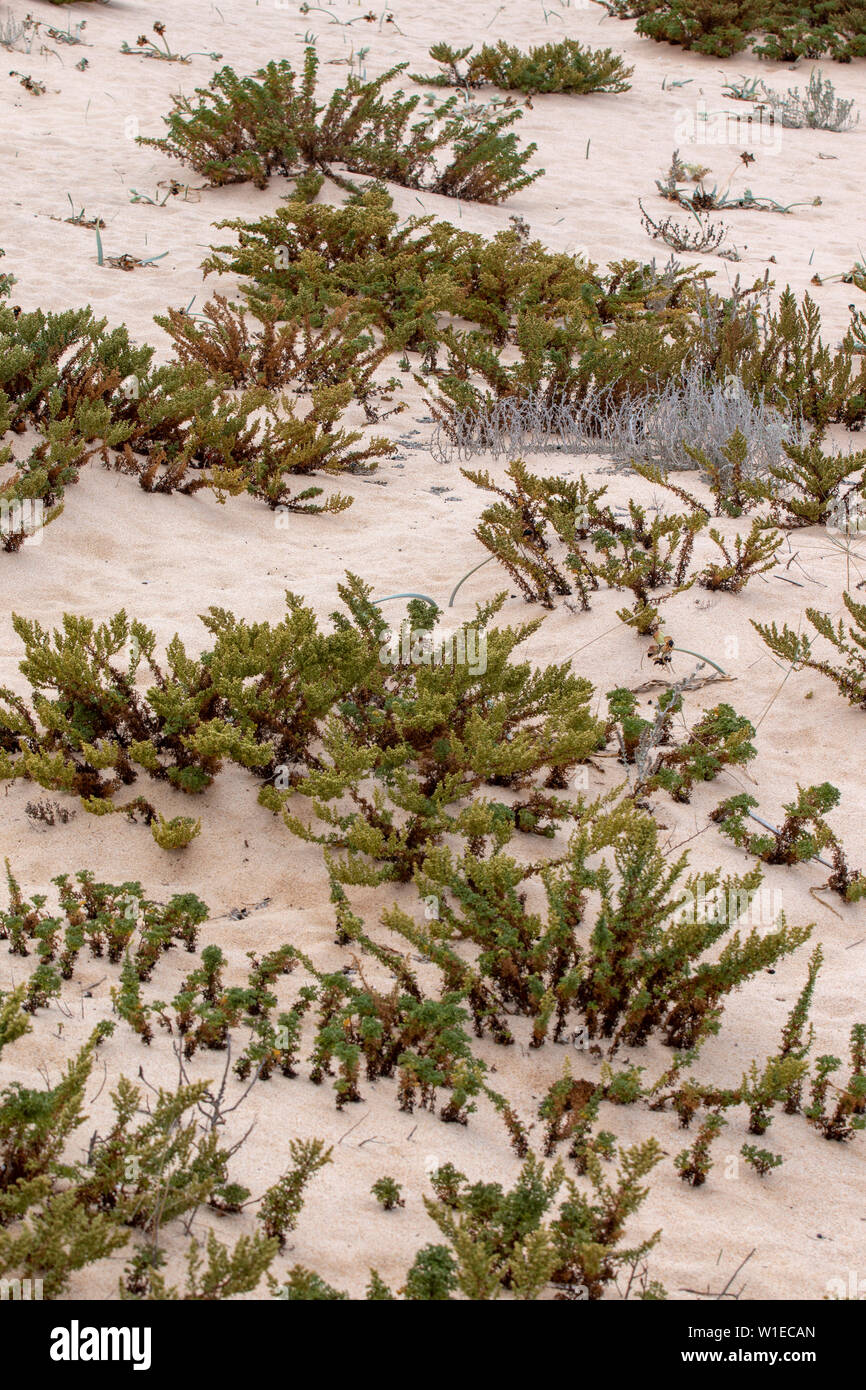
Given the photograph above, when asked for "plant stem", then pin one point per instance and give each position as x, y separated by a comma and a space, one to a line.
714, 664
467, 576
425, 597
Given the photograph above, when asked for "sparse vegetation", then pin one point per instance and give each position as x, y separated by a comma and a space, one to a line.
781, 30
850, 642
387, 1193
818, 108
803, 835
250, 128
552, 67
467, 896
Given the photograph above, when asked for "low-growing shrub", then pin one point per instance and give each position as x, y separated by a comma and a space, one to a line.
850, 643
818, 109
501, 1241
387, 1193
411, 741
252, 127
783, 30
362, 725
566, 66
88, 393
804, 833
619, 944
849, 1112
107, 919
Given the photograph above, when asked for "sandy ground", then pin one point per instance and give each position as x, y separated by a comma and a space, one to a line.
167, 559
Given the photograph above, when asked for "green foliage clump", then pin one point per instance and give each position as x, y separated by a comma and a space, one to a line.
109, 919
807, 490
566, 66
796, 1038
796, 648
153, 1165
662, 325
309, 259
48, 1228
61, 375
149, 1174
428, 734
98, 731
213, 1272
176, 833
782, 30
733, 490
538, 516
804, 833
408, 741
334, 359
782, 358
89, 393
421, 1040
694, 1164
762, 1160
387, 1193
502, 1242
522, 527
518, 1242
282, 1203
752, 554
721, 738
849, 1112
304, 1285
761, 1089
6, 281
252, 127
621, 942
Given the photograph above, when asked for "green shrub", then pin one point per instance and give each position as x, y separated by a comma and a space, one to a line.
88, 393
387, 1193
427, 734
778, 355
420, 1040
796, 648
106, 918
282, 1203
340, 353
694, 1164
566, 66
787, 29
247, 129
619, 946
808, 489
404, 274
849, 1112
762, 1160
721, 738
408, 742
804, 833
502, 1242
213, 1272
176, 833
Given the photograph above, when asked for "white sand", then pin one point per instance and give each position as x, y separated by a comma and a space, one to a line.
167, 559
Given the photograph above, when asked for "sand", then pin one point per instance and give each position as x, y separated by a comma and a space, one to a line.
167, 559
